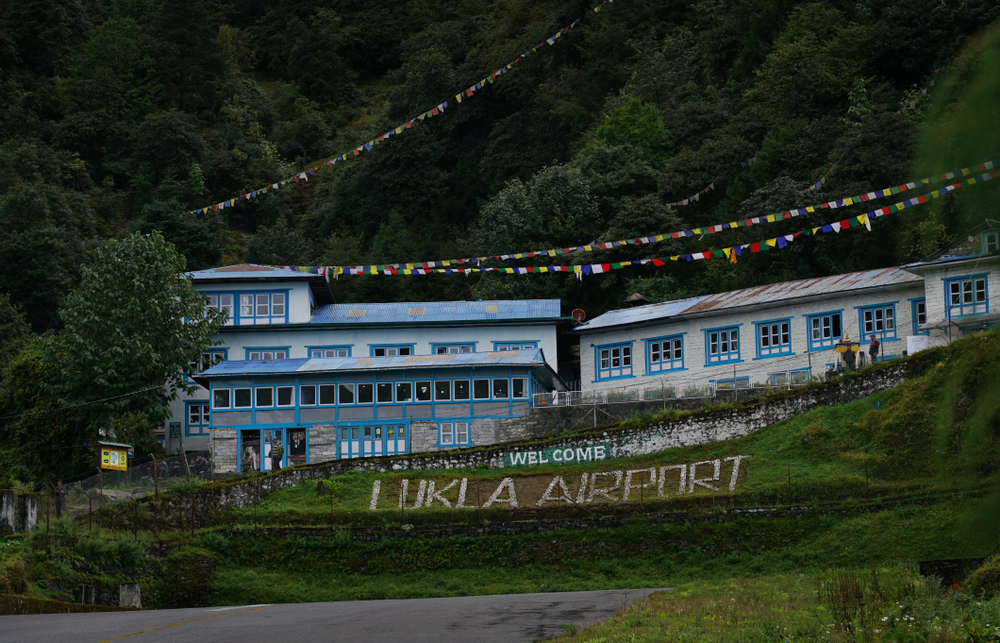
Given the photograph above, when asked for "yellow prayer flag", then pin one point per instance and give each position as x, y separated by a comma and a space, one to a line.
204, 210
696, 231
659, 237
551, 253
771, 242
810, 209
675, 257
458, 97
848, 201
770, 218
965, 171
509, 271
886, 192
399, 130
409, 266
446, 263
544, 269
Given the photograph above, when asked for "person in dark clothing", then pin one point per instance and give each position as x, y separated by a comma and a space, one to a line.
873, 349
849, 358
277, 452
60, 495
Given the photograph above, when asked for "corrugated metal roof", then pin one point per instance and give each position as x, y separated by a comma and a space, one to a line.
532, 357
245, 271
760, 295
437, 312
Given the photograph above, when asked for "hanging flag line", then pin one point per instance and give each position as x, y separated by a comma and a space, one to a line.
607, 245
437, 110
731, 253
711, 186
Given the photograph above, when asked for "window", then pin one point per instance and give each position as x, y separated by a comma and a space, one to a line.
207, 360
307, 395
664, 354
267, 353
878, 320
258, 308
737, 382
241, 398
197, 419
384, 392
501, 389
454, 433
390, 351
991, 242
220, 302
404, 391
614, 361
365, 393
461, 389
221, 398
481, 389
423, 391
327, 394
445, 349
442, 391
774, 338
784, 378
286, 396
966, 296
514, 346
264, 397
824, 330
345, 393
519, 388
722, 345
918, 313
330, 351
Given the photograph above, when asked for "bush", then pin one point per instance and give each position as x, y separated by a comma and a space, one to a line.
985, 581
213, 541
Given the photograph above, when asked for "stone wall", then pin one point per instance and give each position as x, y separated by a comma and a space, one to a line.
224, 450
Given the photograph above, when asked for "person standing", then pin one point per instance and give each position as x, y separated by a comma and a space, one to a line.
277, 452
873, 348
60, 495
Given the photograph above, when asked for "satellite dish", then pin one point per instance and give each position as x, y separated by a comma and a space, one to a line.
578, 315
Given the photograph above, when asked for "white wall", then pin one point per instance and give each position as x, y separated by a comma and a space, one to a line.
696, 373
299, 295
934, 285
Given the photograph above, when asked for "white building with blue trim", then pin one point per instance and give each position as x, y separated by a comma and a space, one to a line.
787, 331
278, 316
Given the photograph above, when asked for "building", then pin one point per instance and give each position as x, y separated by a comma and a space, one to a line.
276, 315
787, 331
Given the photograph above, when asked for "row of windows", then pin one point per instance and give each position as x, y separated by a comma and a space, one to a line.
254, 307
388, 350
772, 338
265, 397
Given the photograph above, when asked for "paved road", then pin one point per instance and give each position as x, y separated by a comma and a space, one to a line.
512, 618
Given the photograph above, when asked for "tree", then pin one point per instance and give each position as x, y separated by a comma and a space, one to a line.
14, 331
130, 330
193, 235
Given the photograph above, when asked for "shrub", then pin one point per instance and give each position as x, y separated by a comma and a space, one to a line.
985, 581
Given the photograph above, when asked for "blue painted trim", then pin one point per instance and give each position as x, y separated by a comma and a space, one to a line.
665, 338
913, 314
949, 308
456, 444
783, 349
528, 343
372, 347
287, 349
729, 359
331, 347
435, 346
822, 344
236, 318
866, 334
206, 426
608, 347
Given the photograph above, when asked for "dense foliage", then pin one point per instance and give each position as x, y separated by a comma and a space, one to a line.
118, 116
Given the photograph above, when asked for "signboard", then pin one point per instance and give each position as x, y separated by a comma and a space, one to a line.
915, 343
558, 455
175, 429
114, 458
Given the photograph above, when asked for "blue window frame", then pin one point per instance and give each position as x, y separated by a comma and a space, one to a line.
207, 360
825, 329
514, 346
613, 361
991, 242
665, 354
722, 345
196, 418
252, 307
966, 296
878, 320
918, 314
222, 301
774, 338
388, 350
454, 433
732, 382
329, 351
445, 349
782, 378
267, 352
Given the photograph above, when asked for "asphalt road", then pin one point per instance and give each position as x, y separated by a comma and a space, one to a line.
512, 618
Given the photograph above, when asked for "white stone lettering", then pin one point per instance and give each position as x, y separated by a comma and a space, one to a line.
663, 478
599, 452
604, 492
736, 469
519, 458
548, 497
432, 495
693, 478
628, 486
583, 455
511, 499
462, 488
376, 488
532, 457
582, 493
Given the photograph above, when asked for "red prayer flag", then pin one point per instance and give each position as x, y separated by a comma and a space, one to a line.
754, 247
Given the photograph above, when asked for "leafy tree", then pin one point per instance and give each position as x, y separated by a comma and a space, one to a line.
638, 125
14, 331
117, 46
279, 244
130, 330
193, 235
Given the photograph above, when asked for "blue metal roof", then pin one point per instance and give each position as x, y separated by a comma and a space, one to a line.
437, 312
242, 368
245, 271
639, 314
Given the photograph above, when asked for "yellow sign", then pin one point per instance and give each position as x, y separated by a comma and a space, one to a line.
114, 459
